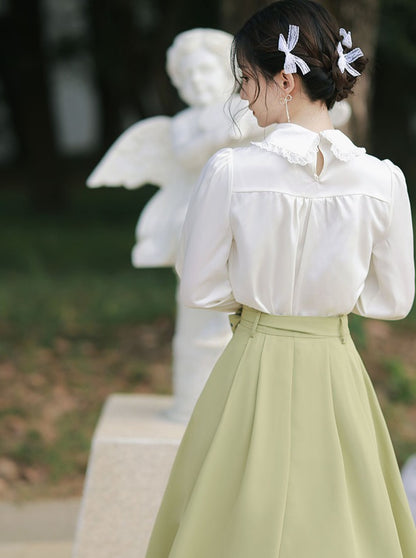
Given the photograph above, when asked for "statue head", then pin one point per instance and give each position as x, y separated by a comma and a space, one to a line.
198, 64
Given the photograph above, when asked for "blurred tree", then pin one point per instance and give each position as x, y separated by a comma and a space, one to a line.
129, 43
234, 13
24, 76
394, 114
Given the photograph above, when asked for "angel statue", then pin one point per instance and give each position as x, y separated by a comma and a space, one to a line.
170, 152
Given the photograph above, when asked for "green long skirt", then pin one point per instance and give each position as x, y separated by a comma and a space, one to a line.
287, 454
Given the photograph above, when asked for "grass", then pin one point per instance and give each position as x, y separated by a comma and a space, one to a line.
75, 268
82, 303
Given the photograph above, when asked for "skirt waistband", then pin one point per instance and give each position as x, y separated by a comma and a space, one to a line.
292, 326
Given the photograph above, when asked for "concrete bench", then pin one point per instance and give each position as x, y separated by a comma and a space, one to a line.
132, 452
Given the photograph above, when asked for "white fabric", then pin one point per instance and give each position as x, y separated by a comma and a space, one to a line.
346, 37
291, 60
263, 230
345, 60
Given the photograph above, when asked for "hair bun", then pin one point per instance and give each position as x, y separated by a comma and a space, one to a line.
316, 45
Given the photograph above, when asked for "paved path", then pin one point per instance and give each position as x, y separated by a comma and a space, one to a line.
43, 529
36, 550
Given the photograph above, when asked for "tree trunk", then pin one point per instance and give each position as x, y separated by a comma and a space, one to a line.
25, 80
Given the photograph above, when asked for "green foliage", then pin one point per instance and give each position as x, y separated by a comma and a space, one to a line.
403, 450
63, 456
82, 303
356, 327
66, 456
400, 386
30, 450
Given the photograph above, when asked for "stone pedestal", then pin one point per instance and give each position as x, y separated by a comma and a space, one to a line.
201, 336
409, 482
132, 452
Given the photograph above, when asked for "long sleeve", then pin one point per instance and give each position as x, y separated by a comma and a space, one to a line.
389, 288
202, 262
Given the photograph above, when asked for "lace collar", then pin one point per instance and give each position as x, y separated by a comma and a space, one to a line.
299, 145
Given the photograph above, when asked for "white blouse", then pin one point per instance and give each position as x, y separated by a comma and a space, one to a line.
265, 231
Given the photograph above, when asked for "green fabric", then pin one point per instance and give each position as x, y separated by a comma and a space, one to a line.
287, 454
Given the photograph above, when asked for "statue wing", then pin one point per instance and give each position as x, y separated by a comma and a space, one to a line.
143, 154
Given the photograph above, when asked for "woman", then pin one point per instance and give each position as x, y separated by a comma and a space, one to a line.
287, 454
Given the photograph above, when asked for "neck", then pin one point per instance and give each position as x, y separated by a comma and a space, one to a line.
311, 115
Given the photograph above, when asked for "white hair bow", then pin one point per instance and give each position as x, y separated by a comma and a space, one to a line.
291, 60
346, 37
345, 60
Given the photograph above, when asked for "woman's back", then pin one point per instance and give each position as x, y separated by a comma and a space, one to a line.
287, 453
293, 242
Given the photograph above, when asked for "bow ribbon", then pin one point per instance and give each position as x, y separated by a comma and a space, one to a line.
346, 37
345, 60
291, 60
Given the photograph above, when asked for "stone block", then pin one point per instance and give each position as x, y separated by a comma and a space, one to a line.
132, 452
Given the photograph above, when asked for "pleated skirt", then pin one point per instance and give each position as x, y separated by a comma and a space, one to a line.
286, 455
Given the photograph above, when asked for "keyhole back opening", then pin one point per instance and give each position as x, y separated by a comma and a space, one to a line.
319, 162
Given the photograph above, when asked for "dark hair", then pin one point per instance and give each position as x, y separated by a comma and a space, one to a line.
255, 48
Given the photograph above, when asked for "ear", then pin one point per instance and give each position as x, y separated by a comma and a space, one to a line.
286, 82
